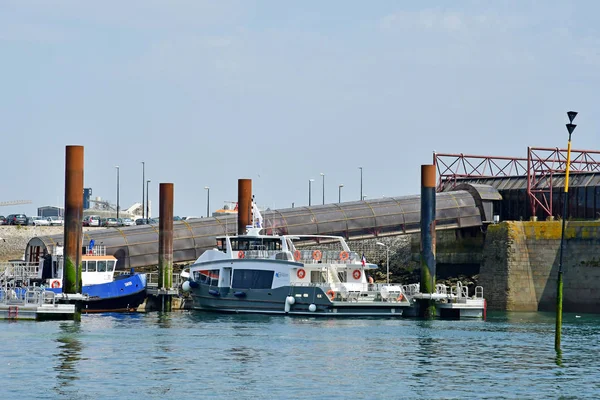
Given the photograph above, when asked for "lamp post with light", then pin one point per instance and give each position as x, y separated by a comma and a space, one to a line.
340, 186
147, 202
117, 167
143, 182
310, 181
361, 195
387, 260
207, 201
323, 176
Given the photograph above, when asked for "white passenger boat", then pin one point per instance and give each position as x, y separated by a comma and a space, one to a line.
296, 275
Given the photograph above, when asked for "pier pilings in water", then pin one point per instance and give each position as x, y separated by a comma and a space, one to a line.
427, 306
73, 231
165, 244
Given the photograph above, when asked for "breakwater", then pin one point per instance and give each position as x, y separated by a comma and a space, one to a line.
520, 266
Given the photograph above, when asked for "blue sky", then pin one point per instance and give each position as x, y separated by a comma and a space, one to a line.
207, 92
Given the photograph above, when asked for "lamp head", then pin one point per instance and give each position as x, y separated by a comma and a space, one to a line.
206, 187
311, 180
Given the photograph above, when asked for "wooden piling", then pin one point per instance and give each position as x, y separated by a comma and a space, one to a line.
427, 306
165, 243
73, 231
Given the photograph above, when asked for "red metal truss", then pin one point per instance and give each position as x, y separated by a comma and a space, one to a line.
451, 167
543, 163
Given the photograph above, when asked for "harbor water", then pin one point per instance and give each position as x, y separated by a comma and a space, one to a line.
185, 355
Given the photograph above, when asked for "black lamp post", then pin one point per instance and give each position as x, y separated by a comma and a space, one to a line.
340, 186
361, 195
117, 167
147, 202
323, 176
310, 181
207, 201
143, 181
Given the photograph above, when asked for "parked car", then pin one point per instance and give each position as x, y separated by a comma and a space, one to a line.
3, 220
55, 221
17, 219
110, 222
126, 222
91, 220
38, 221
141, 221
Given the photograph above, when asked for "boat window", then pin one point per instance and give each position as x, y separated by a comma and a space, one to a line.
317, 276
222, 244
91, 266
252, 279
110, 265
342, 276
255, 244
101, 266
208, 277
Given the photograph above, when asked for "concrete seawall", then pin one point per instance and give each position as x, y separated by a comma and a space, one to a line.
520, 266
16, 238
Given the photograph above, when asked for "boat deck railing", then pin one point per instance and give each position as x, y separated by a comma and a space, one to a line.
390, 292
20, 271
26, 296
152, 279
302, 256
361, 292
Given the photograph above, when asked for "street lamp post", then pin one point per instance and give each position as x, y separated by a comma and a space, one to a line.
143, 181
147, 202
387, 260
361, 195
117, 167
323, 176
207, 201
310, 181
340, 186
559, 282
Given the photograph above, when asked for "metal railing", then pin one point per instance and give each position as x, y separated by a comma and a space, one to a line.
26, 296
18, 271
152, 279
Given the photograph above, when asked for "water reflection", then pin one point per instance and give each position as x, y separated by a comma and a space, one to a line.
69, 354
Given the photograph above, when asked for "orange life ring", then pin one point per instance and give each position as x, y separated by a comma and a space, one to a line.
344, 255
317, 255
55, 284
297, 255
331, 294
400, 297
356, 274
241, 254
301, 273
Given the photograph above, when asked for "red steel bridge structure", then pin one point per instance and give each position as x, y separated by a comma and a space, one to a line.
541, 167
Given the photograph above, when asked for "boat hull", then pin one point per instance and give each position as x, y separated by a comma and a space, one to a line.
273, 301
124, 294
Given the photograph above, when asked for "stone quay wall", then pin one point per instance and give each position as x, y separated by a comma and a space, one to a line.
520, 266
14, 238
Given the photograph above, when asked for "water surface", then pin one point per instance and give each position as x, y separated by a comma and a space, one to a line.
191, 354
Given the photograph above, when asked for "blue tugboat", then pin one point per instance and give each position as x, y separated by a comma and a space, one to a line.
107, 292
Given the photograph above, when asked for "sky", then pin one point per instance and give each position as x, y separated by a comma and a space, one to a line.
209, 92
